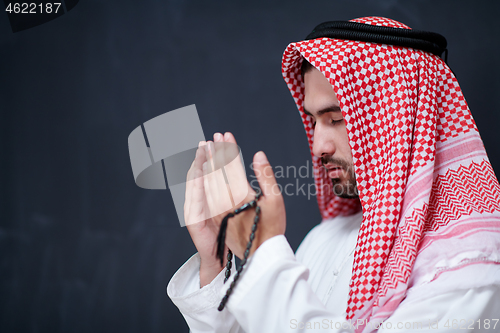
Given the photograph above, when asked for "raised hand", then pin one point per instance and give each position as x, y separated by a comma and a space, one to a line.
273, 218
216, 184
202, 228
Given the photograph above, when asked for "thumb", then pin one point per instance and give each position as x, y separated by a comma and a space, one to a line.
265, 175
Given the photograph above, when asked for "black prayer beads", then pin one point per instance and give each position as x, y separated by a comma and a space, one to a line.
246, 206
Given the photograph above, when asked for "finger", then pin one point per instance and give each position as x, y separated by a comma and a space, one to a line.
196, 165
216, 191
189, 186
218, 152
206, 188
194, 188
197, 162
188, 194
198, 197
235, 170
212, 194
210, 154
195, 204
189, 183
208, 169
191, 168
229, 137
231, 148
265, 175
200, 157
225, 153
218, 137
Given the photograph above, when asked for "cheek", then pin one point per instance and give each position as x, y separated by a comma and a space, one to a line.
344, 143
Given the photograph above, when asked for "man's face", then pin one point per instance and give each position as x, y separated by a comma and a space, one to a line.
331, 142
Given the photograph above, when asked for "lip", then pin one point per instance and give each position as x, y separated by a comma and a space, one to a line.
333, 171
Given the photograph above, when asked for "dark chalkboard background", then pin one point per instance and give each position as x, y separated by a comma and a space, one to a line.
82, 248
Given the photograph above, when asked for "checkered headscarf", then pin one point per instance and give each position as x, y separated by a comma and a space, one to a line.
421, 168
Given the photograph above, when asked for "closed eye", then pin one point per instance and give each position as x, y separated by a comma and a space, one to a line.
333, 109
332, 121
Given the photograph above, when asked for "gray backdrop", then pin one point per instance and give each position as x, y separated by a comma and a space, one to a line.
82, 248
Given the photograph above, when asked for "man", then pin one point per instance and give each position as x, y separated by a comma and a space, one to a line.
411, 216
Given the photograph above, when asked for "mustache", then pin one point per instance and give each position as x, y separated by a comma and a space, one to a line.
337, 161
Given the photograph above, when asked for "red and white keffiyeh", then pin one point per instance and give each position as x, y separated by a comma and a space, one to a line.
430, 198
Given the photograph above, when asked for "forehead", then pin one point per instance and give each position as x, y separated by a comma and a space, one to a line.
318, 92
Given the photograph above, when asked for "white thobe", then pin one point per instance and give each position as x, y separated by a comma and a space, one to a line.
279, 291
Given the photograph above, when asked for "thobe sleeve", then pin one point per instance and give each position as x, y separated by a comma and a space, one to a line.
273, 295
427, 309
464, 310
198, 305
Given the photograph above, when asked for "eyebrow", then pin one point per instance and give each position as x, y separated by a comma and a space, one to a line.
333, 108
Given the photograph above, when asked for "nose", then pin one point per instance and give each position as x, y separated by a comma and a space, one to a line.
323, 143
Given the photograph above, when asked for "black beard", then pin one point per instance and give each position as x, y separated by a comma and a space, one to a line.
348, 190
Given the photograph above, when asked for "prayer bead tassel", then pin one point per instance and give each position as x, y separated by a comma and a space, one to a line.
246, 206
